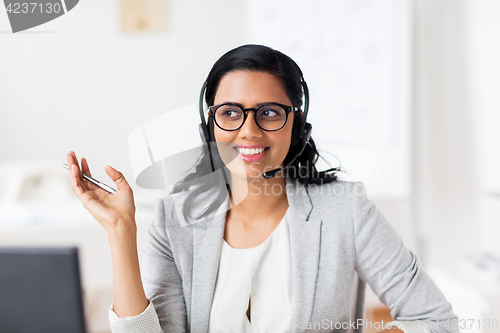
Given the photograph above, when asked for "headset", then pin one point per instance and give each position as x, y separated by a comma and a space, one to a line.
301, 131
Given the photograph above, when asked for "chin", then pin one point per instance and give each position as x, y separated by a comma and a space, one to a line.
245, 173
247, 176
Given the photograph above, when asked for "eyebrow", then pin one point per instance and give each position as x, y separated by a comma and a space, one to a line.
258, 105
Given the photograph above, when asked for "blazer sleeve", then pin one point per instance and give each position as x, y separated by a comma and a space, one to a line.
162, 283
160, 276
394, 274
147, 321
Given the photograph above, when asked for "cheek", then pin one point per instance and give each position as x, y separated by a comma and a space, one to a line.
223, 141
287, 135
283, 141
224, 136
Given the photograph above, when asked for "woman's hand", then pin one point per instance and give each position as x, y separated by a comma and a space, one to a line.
110, 210
114, 211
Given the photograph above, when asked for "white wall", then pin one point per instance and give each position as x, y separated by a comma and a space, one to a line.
445, 182
456, 118
482, 26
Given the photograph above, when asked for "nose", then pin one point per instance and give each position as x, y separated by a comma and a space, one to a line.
250, 129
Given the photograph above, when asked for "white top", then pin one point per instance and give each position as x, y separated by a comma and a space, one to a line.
261, 275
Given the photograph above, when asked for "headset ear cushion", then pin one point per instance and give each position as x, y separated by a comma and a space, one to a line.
210, 123
306, 134
297, 124
203, 133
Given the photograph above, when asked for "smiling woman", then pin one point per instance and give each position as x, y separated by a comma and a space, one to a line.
279, 254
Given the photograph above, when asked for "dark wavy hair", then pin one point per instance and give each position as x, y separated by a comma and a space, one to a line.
255, 58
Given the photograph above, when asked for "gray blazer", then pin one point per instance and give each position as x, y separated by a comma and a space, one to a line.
339, 241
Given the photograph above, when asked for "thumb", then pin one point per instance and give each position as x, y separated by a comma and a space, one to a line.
117, 178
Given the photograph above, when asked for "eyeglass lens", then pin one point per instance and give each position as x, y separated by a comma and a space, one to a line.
269, 117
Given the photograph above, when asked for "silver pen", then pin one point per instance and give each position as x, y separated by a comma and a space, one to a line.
94, 181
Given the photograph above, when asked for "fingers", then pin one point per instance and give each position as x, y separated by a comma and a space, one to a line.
72, 163
80, 185
76, 173
85, 196
86, 170
117, 178
72, 160
75, 180
85, 167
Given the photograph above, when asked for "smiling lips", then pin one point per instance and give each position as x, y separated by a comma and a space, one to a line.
253, 154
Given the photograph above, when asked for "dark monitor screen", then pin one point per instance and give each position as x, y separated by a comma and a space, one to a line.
40, 290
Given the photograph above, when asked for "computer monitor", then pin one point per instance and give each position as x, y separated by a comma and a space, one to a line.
40, 290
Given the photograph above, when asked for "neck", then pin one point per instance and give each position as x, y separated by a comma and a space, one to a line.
269, 195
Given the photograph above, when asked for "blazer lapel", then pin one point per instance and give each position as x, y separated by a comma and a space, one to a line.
208, 235
305, 235
207, 238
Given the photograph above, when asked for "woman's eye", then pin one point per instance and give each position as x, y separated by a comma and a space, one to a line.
268, 113
230, 113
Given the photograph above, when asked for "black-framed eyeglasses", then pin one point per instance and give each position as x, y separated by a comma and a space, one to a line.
268, 116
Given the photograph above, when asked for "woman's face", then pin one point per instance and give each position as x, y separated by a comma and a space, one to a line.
251, 89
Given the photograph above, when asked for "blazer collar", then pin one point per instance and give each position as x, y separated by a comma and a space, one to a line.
299, 201
208, 235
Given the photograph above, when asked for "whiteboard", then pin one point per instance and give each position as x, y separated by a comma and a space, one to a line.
355, 56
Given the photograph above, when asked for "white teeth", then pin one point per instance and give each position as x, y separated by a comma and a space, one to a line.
246, 151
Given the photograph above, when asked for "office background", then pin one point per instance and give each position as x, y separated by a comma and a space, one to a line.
82, 83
